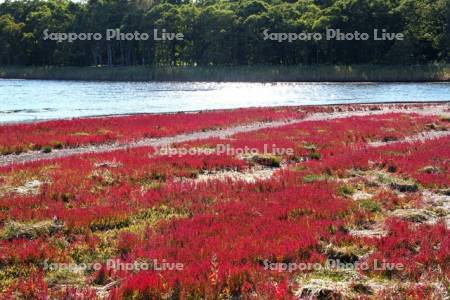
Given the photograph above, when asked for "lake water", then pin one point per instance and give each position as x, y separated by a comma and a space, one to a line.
22, 100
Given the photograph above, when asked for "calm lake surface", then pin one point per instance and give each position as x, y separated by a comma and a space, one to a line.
24, 100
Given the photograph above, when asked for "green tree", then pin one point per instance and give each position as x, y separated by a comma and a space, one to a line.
11, 37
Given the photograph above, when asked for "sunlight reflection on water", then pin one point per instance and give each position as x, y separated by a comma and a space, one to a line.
36, 99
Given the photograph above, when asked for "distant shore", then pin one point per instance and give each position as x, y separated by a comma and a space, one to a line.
314, 73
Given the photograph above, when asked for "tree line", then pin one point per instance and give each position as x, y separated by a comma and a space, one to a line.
224, 33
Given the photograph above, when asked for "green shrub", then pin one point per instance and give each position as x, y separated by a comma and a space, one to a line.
313, 177
268, 160
346, 190
315, 155
369, 205
58, 145
46, 149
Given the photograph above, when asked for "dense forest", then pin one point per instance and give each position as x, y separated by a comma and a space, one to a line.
224, 33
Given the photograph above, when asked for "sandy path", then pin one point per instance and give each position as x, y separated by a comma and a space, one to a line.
419, 137
154, 142
434, 109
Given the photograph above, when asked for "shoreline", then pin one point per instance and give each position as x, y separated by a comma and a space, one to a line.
118, 115
260, 73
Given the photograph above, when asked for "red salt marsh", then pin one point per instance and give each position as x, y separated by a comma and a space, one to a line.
135, 224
